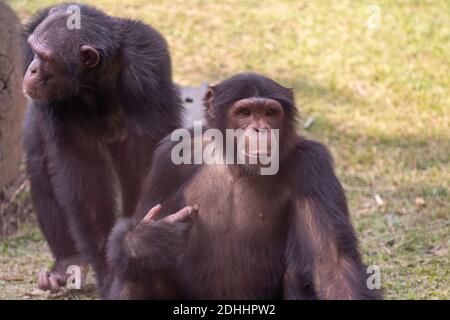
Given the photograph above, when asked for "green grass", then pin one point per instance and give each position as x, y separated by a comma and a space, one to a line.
380, 99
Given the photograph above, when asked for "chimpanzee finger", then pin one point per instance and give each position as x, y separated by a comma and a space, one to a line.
43, 283
182, 215
151, 215
54, 285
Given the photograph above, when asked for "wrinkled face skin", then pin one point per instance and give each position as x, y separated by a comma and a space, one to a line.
59, 64
257, 117
46, 79
264, 113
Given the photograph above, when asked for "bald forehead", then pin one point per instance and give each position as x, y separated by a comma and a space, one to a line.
56, 19
53, 31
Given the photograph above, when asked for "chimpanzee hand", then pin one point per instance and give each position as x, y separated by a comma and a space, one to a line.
158, 242
176, 225
184, 215
57, 277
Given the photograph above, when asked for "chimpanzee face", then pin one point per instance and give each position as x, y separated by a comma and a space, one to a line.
257, 118
59, 62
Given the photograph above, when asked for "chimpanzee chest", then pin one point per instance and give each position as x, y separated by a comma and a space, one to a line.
237, 242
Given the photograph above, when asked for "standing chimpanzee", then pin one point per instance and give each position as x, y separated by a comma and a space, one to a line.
252, 236
101, 98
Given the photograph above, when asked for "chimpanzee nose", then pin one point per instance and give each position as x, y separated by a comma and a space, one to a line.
259, 126
33, 70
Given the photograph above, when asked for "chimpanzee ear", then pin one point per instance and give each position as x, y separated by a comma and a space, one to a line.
90, 57
209, 99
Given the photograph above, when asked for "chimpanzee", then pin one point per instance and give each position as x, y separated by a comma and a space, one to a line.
101, 98
244, 235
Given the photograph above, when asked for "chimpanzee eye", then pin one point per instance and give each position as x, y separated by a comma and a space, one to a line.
271, 112
244, 111
39, 57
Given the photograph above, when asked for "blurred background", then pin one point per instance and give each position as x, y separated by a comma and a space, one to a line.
372, 81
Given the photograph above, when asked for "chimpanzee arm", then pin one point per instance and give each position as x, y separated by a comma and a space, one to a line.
323, 258
165, 183
138, 240
151, 240
50, 215
83, 184
152, 244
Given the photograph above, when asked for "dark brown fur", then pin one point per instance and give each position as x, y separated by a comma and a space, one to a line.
104, 122
255, 237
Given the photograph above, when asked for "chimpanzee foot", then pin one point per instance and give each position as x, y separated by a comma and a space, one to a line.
57, 277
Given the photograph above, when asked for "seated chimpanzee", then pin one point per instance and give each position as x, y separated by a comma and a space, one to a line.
248, 235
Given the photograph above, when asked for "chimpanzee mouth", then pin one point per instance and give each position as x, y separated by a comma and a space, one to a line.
30, 94
255, 154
